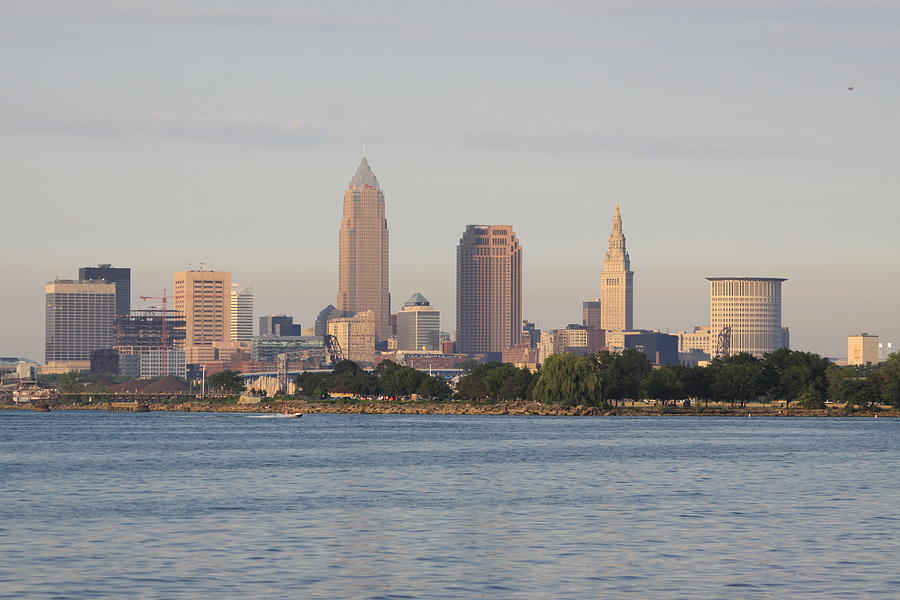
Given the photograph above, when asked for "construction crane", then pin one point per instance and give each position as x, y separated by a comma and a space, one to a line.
163, 345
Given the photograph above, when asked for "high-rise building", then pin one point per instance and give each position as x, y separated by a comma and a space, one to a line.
356, 336
616, 282
121, 276
79, 319
418, 325
363, 252
745, 315
241, 313
278, 325
863, 349
488, 289
660, 348
590, 314
325, 315
204, 298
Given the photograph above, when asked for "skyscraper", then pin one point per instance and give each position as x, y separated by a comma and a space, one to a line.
363, 252
616, 282
590, 314
355, 335
418, 325
121, 276
746, 310
79, 319
488, 289
241, 313
204, 298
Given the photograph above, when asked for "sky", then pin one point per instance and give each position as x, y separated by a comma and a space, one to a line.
154, 134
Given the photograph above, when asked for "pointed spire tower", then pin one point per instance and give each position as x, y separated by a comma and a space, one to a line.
363, 251
616, 282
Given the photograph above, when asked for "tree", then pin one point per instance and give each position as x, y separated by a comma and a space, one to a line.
788, 374
622, 373
570, 380
665, 384
434, 387
889, 380
737, 379
228, 382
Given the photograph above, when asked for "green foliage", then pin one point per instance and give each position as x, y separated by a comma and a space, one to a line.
737, 379
666, 384
788, 375
227, 382
388, 378
888, 376
499, 381
811, 398
622, 373
570, 380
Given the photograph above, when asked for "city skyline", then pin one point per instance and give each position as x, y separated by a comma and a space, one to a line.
733, 145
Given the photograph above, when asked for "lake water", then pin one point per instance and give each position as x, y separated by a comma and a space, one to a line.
178, 505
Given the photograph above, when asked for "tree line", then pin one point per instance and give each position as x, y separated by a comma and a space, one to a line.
607, 379
387, 379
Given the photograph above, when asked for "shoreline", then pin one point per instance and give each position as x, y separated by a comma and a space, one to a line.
483, 409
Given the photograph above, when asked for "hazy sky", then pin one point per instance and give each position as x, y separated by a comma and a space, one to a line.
154, 134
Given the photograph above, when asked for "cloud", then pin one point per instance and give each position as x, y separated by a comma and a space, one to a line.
258, 130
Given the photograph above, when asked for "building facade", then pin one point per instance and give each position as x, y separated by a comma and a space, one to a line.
241, 313
418, 325
745, 315
661, 348
590, 314
279, 325
488, 289
863, 349
120, 276
616, 282
356, 336
363, 252
79, 319
697, 340
204, 299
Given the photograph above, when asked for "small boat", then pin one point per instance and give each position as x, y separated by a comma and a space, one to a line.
289, 415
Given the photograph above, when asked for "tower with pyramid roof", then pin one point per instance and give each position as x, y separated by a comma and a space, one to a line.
363, 251
616, 282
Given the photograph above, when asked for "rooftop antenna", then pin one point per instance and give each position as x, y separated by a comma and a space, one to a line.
364, 150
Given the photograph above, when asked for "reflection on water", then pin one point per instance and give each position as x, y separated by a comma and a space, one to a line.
167, 505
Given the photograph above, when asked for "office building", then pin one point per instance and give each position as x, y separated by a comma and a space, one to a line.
241, 313
266, 348
697, 340
204, 299
745, 315
418, 325
150, 328
160, 362
278, 325
660, 348
325, 315
120, 276
590, 314
863, 349
363, 252
616, 282
488, 290
356, 336
79, 320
